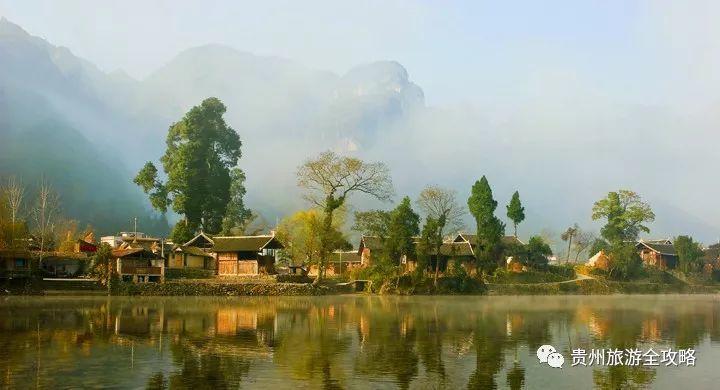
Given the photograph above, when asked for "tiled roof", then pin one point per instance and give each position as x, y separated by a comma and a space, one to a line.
192, 250
472, 239
245, 243
133, 252
662, 249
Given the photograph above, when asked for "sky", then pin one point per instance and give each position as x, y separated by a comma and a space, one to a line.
573, 97
629, 51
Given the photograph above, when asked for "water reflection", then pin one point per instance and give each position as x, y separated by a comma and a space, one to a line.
348, 342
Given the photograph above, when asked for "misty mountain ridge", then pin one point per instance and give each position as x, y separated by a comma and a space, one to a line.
285, 113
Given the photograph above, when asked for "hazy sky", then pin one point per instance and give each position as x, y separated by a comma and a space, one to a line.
568, 98
646, 52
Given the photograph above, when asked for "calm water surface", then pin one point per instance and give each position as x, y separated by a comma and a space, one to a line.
350, 342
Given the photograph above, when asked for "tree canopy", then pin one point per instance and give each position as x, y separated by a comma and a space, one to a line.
515, 211
490, 229
403, 227
626, 215
201, 152
689, 253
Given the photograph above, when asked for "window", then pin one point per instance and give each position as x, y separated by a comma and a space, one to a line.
19, 263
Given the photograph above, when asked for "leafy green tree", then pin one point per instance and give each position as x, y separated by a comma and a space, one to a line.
625, 262
626, 215
599, 245
236, 214
430, 238
515, 211
690, 254
372, 223
329, 180
537, 253
404, 226
490, 229
201, 150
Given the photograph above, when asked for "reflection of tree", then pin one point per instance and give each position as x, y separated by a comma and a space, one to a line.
313, 345
516, 376
204, 371
489, 342
623, 377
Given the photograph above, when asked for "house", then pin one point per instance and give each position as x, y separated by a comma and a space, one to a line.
450, 250
83, 246
202, 240
190, 257
711, 259
138, 265
339, 262
245, 255
61, 264
661, 255
15, 263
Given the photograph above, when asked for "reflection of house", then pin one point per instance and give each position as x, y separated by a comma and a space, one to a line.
14, 263
139, 265
245, 255
661, 255
191, 257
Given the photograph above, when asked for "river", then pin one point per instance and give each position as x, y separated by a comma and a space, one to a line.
359, 342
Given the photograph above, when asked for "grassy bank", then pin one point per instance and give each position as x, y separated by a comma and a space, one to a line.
200, 288
598, 287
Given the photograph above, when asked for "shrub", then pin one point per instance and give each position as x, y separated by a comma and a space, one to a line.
188, 273
293, 278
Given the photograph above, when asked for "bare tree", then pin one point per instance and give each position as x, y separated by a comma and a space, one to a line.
14, 193
441, 205
44, 212
329, 180
583, 241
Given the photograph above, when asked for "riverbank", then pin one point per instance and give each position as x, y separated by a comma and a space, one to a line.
599, 287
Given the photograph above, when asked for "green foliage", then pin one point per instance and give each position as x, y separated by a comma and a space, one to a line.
489, 228
403, 226
201, 151
188, 273
626, 215
183, 232
503, 276
599, 245
689, 253
430, 238
372, 223
515, 211
293, 278
625, 262
537, 253
236, 214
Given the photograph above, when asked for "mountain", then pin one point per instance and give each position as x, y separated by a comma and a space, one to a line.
56, 124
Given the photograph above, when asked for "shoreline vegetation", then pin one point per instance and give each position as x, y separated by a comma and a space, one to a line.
501, 284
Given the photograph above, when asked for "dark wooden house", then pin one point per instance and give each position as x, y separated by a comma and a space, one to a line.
15, 263
245, 255
139, 265
663, 256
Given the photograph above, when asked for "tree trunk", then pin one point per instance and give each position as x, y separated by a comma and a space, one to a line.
437, 265
324, 244
569, 246
515, 226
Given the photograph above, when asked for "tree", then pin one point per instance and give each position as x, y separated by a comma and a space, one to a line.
300, 235
583, 240
515, 211
490, 229
568, 237
599, 245
625, 262
690, 254
44, 212
537, 253
236, 214
372, 223
403, 227
14, 192
440, 205
201, 150
329, 180
431, 238
626, 215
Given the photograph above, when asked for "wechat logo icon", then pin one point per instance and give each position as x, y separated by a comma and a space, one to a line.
548, 354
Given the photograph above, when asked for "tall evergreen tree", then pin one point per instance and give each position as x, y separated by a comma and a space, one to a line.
490, 229
201, 152
515, 211
403, 227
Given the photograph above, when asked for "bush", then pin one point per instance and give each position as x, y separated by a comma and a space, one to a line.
188, 273
293, 278
507, 277
565, 270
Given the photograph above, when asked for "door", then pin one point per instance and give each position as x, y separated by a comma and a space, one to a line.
227, 267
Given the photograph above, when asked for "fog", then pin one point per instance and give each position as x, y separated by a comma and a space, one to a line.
563, 102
